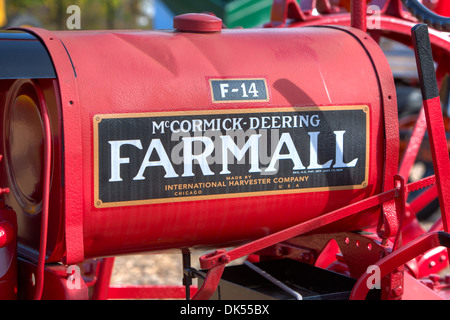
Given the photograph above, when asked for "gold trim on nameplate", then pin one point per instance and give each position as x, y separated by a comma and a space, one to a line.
98, 203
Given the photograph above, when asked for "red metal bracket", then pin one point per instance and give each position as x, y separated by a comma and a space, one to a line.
398, 258
213, 276
212, 260
215, 262
56, 283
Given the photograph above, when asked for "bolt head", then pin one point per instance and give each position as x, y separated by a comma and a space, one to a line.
224, 259
397, 291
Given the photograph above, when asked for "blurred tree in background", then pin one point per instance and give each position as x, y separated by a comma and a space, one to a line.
95, 14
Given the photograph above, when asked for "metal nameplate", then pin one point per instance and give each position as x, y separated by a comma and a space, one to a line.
150, 158
238, 90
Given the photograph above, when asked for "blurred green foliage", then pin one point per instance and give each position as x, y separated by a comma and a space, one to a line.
95, 14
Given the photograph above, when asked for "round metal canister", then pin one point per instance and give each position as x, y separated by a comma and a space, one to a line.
176, 139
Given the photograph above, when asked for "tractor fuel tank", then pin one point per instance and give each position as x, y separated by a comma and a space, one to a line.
196, 137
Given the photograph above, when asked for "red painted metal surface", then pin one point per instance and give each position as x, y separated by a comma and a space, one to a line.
359, 13
400, 257
391, 26
104, 88
63, 95
442, 8
101, 291
413, 145
55, 287
395, 23
138, 72
438, 142
153, 292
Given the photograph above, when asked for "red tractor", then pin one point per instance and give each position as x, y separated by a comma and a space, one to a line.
281, 143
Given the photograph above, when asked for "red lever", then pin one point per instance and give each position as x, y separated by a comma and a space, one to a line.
435, 119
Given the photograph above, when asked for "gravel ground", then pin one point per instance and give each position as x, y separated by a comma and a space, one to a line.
154, 269
151, 269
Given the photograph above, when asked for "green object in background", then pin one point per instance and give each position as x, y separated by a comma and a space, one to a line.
234, 13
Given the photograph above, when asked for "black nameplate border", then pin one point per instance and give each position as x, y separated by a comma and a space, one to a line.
149, 158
